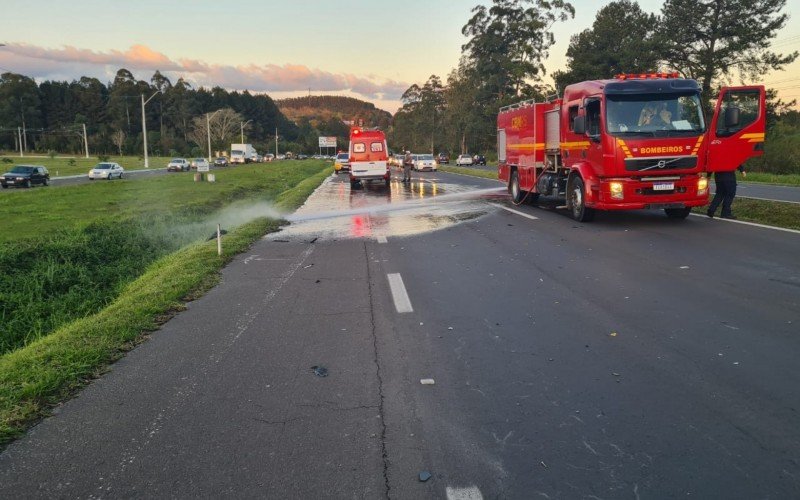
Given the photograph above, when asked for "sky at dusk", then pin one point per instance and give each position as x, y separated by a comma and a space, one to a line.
372, 50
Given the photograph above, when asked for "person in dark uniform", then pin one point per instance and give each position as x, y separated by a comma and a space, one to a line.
725, 192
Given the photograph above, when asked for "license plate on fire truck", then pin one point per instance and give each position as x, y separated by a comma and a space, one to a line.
663, 186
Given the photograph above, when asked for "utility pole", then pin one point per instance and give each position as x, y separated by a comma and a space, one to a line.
85, 141
19, 134
276, 143
241, 125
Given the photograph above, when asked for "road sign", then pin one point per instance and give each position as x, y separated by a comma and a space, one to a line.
327, 142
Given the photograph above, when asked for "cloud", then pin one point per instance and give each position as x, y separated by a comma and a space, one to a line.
46, 63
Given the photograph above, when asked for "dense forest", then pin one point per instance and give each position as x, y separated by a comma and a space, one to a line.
50, 116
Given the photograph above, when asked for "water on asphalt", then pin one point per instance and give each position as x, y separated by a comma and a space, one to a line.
335, 211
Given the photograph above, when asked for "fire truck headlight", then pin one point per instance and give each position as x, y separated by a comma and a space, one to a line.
616, 190
702, 186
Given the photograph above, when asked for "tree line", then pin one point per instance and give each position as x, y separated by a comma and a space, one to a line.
49, 116
715, 42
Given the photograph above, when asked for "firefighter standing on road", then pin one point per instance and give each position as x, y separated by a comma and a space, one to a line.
408, 162
725, 192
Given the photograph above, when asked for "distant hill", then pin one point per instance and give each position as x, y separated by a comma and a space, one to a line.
321, 109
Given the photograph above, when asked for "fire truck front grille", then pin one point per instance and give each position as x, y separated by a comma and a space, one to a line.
659, 164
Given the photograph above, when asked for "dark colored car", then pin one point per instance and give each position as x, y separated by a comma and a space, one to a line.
479, 160
443, 159
25, 176
220, 161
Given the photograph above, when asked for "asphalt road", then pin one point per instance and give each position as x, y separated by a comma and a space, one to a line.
633, 357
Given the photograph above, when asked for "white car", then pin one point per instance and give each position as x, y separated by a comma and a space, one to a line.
178, 165
200, 163
106, 170
464, 160
425, 162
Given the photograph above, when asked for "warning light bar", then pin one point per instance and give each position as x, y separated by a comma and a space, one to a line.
646, 76
355, 130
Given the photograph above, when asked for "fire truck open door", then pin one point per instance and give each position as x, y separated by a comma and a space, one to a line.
737, 128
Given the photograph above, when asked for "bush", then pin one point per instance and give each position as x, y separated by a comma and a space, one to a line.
51, 153
102, 157
8, 160
71, 162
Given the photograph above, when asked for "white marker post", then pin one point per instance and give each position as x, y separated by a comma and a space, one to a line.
219, 240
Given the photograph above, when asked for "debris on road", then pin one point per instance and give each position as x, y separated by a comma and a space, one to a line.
427, 381
613, 334
449, 327
544, 465
306, 267
320, 371
424, 476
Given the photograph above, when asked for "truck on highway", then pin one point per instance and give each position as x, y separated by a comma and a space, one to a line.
633, 142
369, 157
243, 153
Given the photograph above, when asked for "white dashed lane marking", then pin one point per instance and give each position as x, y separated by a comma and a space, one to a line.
382, 239
523, 214
401, 301
468, 493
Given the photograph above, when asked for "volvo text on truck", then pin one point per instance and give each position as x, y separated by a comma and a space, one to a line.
635, 142
369, 159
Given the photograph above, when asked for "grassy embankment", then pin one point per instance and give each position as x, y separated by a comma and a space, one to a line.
770, 213
107, 265
64, 166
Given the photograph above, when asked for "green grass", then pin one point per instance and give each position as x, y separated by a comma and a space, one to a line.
30, 212
781, 179
770, 213
64, 166
48, 370
475, 172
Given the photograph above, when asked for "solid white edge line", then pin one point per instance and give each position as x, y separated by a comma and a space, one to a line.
523, 214
382, 239
401, 301
768, 199
468, 493
795, 231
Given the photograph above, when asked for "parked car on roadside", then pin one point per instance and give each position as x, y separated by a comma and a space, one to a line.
479, 160
425, 162
178, 165
269, 157
106, 170
280, 157
199, 162
25, 176
443, 159
220, 161
464, 160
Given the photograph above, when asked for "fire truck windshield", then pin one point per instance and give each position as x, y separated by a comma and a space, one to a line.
661, 115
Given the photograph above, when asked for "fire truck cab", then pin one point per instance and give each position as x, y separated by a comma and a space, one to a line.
369, 159
634, 142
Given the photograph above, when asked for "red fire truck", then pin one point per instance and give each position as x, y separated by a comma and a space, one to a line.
634, 142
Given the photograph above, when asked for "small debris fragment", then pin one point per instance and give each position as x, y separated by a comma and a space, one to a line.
449, 327
320, 371
424, 476
544, 465
318, 281
735, 362
684, 267
306, 267
314, 240
615, 374
427, 381
613, 334
421, 323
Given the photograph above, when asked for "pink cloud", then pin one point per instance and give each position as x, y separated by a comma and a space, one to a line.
43, 62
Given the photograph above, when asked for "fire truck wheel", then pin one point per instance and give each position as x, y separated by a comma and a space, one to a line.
678, 213
514, 189
580, 212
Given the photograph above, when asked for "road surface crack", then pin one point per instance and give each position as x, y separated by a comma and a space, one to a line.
378, 373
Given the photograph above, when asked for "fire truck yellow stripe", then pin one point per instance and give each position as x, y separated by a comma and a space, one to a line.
624, 148
575, 145
754, 135
527, 146
697, 145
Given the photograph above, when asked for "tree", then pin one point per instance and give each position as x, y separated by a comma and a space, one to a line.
621, 40
509, 42
709, 40
118, 138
